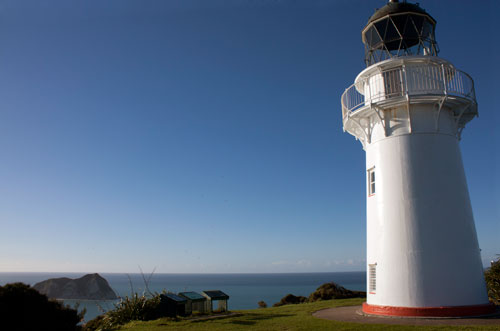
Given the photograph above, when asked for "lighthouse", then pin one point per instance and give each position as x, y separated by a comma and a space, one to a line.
408, 109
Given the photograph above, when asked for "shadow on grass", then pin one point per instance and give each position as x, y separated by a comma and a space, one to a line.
243, 322
213, 317
251, 319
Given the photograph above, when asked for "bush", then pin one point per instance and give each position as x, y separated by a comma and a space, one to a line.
134, 308
326, 291
331, 290
262, 304
24, 308
95, 324
492, 277
290, 299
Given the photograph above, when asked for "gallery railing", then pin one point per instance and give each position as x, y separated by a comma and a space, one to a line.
407, 81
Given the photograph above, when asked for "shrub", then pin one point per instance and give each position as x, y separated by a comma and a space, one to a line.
24, 308
290, 299
492, 277
331, 290
134, 308
95, 324
326, 291
262, 304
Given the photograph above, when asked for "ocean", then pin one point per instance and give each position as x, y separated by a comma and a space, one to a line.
244, 290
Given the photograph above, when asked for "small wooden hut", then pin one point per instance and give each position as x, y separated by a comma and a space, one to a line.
172, 305
195, 302
216, 295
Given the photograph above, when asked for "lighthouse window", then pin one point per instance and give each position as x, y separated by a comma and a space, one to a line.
371, 181
372, 278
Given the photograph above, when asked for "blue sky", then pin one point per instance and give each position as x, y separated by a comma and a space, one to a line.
205, 136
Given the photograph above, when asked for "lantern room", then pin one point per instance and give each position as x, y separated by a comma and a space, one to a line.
399, 29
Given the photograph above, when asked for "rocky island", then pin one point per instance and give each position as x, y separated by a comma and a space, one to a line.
88, 287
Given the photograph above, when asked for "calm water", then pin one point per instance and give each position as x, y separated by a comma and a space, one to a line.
244, 290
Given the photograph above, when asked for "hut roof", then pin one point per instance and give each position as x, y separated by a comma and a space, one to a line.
216, 295
193, 296
174, 297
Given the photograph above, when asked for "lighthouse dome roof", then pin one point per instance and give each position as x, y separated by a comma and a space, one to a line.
396, 7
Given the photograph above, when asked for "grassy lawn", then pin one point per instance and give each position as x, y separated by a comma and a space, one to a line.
290, 317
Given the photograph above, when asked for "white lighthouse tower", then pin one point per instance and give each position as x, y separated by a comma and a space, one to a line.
408, 109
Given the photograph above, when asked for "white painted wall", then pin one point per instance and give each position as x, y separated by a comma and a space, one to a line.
420, 227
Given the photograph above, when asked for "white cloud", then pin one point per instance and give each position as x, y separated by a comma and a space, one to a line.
280, 263
303, 263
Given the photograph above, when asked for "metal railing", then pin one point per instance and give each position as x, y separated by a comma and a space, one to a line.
407, 81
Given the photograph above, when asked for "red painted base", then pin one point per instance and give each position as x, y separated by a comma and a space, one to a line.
452, 311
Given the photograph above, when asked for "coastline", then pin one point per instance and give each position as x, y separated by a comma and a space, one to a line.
245, 289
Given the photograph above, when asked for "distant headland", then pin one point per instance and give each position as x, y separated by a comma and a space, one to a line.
88, 287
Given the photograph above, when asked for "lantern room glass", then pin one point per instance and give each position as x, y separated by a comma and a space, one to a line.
399, 35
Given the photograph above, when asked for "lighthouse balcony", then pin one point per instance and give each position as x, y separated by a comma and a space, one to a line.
409, 80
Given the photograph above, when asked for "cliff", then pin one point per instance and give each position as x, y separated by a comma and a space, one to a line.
88, 287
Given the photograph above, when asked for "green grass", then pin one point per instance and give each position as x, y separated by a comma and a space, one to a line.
289, 317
